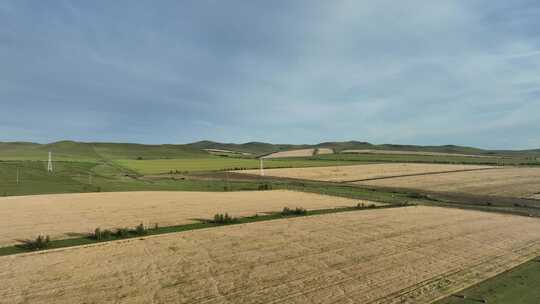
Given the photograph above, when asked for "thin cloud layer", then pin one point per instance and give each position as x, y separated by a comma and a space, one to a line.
419, 72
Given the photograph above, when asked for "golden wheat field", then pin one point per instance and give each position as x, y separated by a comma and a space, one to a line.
400, 255
515, 182
361, 172
300, 153
65, 215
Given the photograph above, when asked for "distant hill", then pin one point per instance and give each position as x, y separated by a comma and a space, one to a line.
255, 148
83, 151
96, 151
260, 148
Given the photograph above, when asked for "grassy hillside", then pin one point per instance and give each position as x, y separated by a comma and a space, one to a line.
79, 151
136, 151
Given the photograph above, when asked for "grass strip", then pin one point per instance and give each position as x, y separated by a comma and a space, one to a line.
202, 224
517, 285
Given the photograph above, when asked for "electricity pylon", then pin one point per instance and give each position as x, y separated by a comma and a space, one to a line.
49, 164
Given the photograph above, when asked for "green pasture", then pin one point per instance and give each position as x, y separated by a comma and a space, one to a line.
76, 177
519, 285
443, 159
217, 163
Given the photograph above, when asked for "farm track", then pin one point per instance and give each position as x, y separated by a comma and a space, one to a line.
401, 255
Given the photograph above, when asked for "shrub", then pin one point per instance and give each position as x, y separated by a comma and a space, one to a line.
140, 229
265, 187
122, 232
106, 234
417, 195
97, 234
297, 211
40, 243
369, 206
224, 219
100, 235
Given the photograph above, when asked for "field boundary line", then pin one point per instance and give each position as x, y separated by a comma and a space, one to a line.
418, 174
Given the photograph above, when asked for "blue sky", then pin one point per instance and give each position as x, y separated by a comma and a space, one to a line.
419, 72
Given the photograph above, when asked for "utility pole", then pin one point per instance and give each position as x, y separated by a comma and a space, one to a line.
90, 178
261, 166
17, 176
49, 164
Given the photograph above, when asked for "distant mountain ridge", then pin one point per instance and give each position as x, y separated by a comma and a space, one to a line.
74, 150
261, 148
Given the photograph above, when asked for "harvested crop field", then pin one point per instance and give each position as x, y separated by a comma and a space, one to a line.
363, 172
63, 215
299, 153
512, 182
401, 255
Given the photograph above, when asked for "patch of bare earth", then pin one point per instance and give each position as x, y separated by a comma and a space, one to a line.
322, 151
403, 255
66, 215
300, 153
292, 153
360, 172
512, 182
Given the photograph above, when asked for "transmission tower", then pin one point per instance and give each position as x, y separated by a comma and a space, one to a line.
49, 164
